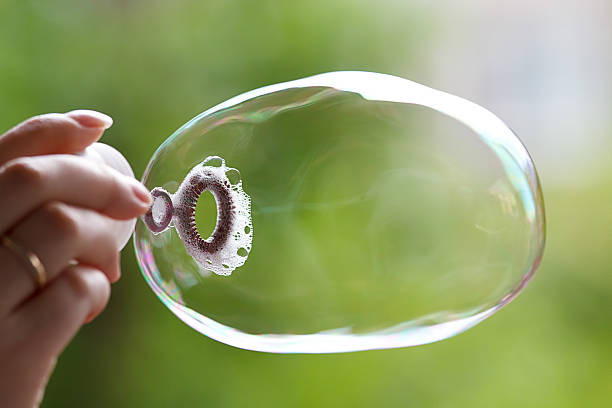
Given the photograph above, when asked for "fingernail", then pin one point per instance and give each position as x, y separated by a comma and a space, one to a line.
142, 194
91, 119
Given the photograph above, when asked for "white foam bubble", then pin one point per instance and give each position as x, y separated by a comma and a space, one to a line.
227, 254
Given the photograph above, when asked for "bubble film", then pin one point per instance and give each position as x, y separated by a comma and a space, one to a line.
388, 214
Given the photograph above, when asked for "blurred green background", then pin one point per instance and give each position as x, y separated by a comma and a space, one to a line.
152, 65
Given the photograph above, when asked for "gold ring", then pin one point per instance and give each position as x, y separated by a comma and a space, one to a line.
30, 259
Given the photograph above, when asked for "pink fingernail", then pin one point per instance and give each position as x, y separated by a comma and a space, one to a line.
91, 119
142, 194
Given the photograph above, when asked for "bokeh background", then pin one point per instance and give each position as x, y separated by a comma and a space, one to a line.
544, 67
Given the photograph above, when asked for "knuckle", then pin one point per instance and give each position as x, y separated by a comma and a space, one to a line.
86, 286
113, 193
62, 219
53, 128
77, 285
108, 186
22, 173
42, 122
36, 122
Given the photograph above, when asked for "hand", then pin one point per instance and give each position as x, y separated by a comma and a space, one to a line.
65, 207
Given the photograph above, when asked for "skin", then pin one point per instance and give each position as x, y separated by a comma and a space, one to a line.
73, 211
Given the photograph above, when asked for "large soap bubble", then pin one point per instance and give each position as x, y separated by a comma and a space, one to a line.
340, 212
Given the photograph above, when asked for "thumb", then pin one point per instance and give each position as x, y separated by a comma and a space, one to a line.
105, 154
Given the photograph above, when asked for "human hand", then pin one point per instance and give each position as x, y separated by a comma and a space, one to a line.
60, 207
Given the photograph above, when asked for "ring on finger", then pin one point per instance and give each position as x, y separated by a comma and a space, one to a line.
29, 258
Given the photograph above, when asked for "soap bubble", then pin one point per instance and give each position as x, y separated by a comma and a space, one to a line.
382, 214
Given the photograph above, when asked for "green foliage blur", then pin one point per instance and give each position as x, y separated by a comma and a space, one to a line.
152, 65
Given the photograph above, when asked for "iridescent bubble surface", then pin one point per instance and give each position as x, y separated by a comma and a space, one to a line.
387, 214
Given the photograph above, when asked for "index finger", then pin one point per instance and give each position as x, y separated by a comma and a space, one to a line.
53, 133
28, 183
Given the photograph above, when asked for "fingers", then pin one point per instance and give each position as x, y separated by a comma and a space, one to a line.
57, 233
62, 208
53, 133
29, 182
44, 325
77, 296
